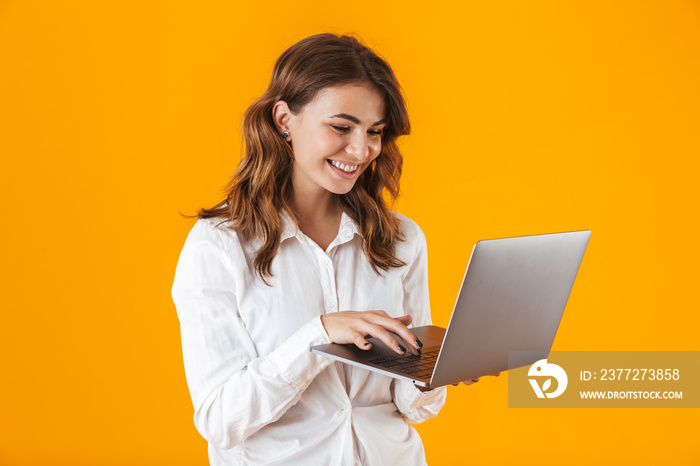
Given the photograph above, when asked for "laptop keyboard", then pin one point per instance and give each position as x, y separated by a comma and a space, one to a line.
416, 366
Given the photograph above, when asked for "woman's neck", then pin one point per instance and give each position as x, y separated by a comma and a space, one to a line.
318, 216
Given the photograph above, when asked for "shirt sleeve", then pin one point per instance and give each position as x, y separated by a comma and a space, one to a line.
235, 392
417, 406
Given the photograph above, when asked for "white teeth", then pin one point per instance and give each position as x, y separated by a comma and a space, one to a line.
345, 168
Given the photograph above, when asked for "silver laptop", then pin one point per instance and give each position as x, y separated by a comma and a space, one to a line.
512, 298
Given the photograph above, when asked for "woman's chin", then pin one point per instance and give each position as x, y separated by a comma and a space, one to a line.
340, 190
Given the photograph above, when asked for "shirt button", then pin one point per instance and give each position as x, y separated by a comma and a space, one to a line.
330, 303
345, 409
326, 261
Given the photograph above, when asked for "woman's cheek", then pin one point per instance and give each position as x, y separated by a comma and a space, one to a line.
329, 145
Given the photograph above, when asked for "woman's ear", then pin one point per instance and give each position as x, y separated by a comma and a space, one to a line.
281, 116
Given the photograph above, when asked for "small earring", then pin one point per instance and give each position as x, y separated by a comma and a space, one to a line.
285, 135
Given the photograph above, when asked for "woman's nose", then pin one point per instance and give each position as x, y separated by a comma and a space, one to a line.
359, 147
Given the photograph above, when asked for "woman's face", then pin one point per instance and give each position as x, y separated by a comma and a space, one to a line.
336, 137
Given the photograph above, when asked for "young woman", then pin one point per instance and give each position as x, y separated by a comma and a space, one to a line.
304, 251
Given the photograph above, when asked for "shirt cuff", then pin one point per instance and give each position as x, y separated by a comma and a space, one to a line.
420, 398
417, 406
296, 363
429, 397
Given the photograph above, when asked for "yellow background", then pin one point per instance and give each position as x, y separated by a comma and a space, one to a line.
528, 117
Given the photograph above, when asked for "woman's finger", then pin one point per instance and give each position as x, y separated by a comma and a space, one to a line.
398, 327
361, 342
381, 333
406, 320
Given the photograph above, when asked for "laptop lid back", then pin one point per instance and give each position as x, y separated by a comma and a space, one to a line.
512, 299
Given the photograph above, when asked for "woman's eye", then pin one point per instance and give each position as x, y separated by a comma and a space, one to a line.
375, 132
340, 129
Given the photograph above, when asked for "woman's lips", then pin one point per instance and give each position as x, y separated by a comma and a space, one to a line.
342, 173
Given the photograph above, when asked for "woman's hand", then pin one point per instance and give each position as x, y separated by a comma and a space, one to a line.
355, 327
471, 381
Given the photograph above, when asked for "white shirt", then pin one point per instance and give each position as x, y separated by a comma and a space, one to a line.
260, 396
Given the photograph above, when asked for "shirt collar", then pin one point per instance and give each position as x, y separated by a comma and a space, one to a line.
289, 227
348, 229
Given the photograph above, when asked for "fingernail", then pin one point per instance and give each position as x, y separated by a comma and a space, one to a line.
419, 343
419, 351
402, 349
366, 343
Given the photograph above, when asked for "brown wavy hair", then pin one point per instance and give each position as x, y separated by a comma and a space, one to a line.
261, 186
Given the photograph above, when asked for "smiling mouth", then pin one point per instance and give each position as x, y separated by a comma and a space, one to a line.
344, 167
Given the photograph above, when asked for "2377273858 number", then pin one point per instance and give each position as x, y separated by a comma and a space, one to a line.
639, 374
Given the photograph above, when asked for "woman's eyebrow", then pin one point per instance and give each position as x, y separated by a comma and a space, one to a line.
356, 120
